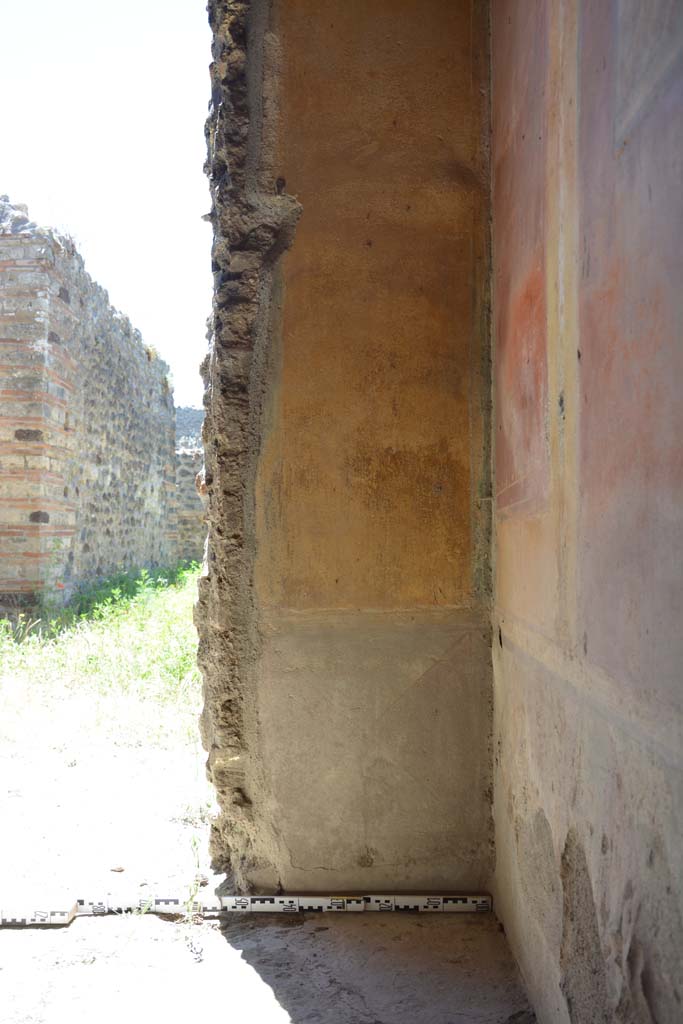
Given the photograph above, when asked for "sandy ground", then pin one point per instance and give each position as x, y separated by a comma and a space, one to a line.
91, 784
360, 969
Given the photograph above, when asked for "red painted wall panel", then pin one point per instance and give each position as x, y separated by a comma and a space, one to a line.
519, 279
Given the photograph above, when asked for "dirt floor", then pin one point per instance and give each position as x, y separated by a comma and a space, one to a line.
105, 793
99, 794
360, 969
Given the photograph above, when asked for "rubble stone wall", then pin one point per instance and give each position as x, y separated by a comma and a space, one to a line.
190, 510
87, 432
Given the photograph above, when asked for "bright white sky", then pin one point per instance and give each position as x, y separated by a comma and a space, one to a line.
102, 109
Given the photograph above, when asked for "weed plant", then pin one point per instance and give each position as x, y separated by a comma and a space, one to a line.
131, 634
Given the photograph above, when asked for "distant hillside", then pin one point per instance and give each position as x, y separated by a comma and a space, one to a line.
188, 427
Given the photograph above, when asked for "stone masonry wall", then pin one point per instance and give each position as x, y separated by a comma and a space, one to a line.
190, 509
189, 462
87, 433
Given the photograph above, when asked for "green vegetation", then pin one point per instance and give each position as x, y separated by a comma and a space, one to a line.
131, 635
101, 699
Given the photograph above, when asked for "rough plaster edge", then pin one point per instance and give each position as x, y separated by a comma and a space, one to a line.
252, 218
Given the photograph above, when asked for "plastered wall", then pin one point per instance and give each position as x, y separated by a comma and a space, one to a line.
587, 209
87, 463
344, 629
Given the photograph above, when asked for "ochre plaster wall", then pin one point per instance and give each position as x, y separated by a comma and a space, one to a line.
367, 476
588, 310
350, 738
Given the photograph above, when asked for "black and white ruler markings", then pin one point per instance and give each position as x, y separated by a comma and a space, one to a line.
13, 916
208, 905
422, 904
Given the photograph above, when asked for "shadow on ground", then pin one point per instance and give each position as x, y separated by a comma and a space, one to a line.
360, 969
384, 968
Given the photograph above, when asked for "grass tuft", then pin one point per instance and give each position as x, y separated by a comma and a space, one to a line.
130, 635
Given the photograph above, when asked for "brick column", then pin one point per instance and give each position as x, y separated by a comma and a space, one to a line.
35, 518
